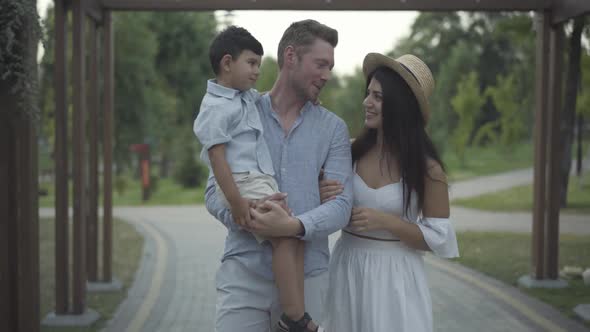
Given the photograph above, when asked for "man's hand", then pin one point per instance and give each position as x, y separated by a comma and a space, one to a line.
276, 222
279, 198
240, 210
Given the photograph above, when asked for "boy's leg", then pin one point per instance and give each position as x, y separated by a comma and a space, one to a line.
244, 300
316, 288
300, 267
286, 270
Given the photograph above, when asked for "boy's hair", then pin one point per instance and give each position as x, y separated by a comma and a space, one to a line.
233, 41
304, 33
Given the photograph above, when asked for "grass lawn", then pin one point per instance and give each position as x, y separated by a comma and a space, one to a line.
488, 160
168, 192
521, 198
507, 256
127, 248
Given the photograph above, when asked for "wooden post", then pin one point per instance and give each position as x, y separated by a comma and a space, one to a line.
542, 51
93, 105
554, 101
19, 225
79, 165
61, 161
27, 239
108, 74
8, 213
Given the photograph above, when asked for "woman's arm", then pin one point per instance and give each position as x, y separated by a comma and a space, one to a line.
436, 205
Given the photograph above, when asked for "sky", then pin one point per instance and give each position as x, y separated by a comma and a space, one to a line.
359, 32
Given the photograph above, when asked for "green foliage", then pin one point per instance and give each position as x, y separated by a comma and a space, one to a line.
490, 44
347, 102
189, 172
510, 123
161, 70
583, 104
467, 105
268, 74
444, 119
20, 32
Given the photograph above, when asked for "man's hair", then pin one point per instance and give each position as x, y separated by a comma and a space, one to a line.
304, 33
233, 41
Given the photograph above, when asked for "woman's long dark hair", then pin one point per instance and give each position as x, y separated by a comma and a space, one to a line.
404, 135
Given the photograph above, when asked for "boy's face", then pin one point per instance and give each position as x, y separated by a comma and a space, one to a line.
245, 70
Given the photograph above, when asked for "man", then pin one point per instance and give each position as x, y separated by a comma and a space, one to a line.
302, 138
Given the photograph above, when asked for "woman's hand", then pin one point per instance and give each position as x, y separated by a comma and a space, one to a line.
366, 219
329, 189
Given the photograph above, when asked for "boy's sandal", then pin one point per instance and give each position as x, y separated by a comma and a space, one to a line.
286, 324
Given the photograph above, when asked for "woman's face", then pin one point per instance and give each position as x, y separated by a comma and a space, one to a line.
372, 105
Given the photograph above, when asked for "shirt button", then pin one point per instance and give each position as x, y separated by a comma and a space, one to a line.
283, 170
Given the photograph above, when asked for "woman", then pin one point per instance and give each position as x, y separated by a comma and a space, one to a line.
401, 207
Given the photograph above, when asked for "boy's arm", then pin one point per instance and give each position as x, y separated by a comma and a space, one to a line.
223, 175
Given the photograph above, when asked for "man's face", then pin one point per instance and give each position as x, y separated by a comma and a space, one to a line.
313, 69
245, 70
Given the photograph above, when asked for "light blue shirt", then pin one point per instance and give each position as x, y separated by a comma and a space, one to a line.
318, 139
228, 116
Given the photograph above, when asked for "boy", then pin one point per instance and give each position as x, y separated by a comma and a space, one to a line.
230, 130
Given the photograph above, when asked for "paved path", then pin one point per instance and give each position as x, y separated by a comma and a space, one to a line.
174, 288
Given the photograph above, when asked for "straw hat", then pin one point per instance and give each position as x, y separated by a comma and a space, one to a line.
413, 70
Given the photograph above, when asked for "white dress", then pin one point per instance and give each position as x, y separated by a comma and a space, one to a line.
379, 286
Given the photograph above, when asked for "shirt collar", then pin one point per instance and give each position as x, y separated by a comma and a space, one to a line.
221, 91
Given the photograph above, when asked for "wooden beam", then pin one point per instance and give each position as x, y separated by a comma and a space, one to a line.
554, 100
541, 90
426, 5
566, 9
108, 104
79, 165
61, 161
93, 9
93, 105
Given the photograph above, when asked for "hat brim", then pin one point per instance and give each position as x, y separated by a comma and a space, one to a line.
373, 61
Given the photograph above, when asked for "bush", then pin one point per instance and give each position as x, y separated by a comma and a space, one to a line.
190, 173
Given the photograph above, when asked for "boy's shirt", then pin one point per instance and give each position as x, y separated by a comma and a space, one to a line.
228, 116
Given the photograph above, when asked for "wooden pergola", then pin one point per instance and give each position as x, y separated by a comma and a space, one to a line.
92, 32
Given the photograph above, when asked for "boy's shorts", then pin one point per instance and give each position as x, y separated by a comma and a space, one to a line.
252, 186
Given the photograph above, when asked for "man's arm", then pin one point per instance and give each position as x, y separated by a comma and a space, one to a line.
334, 214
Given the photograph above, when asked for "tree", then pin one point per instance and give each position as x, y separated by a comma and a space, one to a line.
569, 107
467, 105
183, 66
269, 69
348, 101
509, 128
444, 119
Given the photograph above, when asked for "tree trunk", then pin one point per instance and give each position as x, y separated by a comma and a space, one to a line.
165, 165
580, 155
569, 107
